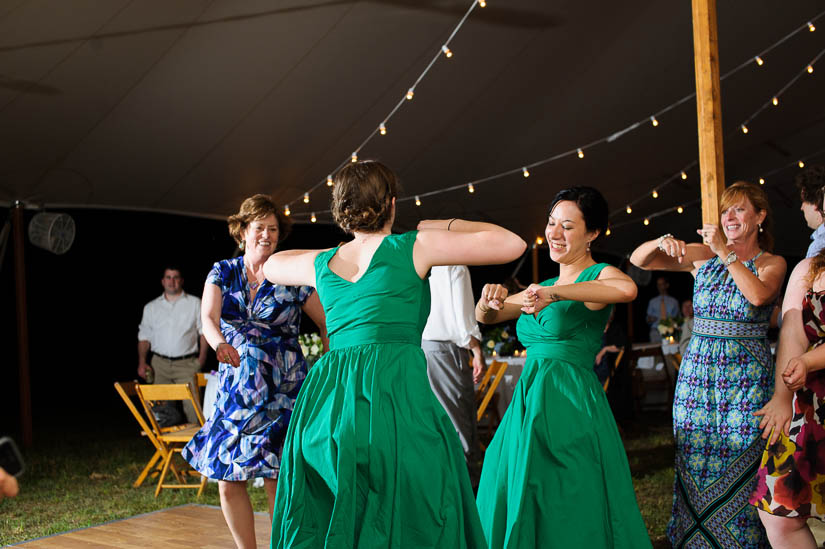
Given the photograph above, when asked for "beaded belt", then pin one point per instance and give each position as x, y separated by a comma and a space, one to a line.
712, 327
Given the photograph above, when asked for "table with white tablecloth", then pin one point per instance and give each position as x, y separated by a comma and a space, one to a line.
505, 389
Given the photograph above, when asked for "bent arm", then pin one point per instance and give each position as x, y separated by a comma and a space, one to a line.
314, 310
649, 257
611, 286
762, 288
510, 310
211, 315
292, 267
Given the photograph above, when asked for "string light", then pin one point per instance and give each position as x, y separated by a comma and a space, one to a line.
655, 193
417, 201
470, 188
329, 181
354, 157
744, 128
580, 153
680, 209
810, 69
758, 60
647, 221
629, 210
775, 101
482, 3
306, 198
684, 175
800, 164
382, 129
811, 27
447, 51
525, 173
410, 94
761, 180
313, 218
539, 240
654, 121
286, 211
607, 232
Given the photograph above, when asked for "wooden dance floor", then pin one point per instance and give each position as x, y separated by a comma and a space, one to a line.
184, 526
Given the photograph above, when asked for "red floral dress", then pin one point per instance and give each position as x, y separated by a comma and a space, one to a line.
791, 478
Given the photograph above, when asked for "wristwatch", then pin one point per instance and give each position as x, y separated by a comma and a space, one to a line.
730, 258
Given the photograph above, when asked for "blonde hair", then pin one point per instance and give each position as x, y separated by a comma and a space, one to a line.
743, 190
257, 207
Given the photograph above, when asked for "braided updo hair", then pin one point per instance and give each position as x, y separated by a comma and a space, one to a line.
362, 196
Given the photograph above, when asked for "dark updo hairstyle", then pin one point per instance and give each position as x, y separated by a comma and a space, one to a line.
362, 196
257, 207
591, 203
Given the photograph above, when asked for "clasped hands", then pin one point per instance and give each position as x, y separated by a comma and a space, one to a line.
712, 236
534, 298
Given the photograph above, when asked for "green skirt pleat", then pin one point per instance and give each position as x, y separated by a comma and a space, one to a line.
556, 473
372, 460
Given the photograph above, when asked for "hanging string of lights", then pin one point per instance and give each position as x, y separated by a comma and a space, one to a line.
578, 151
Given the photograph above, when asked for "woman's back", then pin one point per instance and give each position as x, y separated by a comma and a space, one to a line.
389, 303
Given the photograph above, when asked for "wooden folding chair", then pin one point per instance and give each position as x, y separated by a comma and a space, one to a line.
613, 369
171, 441
487, 387
127, 391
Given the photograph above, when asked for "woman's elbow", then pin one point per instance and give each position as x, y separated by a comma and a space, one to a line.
629, 293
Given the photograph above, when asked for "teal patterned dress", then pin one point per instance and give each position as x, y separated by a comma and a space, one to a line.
726, 375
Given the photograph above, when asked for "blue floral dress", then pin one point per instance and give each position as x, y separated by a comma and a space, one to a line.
725, 376
244, 437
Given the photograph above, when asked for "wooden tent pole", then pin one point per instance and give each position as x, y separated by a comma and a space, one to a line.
535, 257
708, 107
22, 327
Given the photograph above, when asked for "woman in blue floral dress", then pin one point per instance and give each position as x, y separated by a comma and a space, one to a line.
726, 376
253, 327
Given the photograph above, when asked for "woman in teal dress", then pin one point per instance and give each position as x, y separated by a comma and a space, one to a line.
556, 474
726, 376
370, 458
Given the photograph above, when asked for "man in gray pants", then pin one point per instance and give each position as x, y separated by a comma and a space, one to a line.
450, 331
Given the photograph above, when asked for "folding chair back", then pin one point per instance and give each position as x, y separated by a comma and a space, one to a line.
127, 391
171, 441
496, 373
613, 369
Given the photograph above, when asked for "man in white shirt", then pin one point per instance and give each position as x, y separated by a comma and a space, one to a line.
661, 307
450, 331
171, 329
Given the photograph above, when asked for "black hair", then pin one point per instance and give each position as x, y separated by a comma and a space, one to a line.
591, 203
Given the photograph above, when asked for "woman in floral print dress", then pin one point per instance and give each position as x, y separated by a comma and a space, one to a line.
791, 480
726, 374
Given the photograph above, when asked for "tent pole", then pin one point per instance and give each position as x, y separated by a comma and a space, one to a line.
708, 107
535, 256
22, 326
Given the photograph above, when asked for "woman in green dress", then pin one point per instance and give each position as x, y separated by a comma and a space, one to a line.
370, 458
556, 473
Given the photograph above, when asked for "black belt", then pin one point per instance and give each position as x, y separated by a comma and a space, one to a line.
184, 357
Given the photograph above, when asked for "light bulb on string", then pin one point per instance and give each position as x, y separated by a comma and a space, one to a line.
810, 69
580, 153
607, 232
629, 210
761, 180
447, 51
470, 188
329, 181
647, 221
382, 129
525, 173
680, 209
354, 157
539, 241
775, 101
811, 27
759, 60
306, 198
684, 175
801, 164
655, 193
286, 211
417, 201
744, 128
482, 3
313, 218
410, 94
654, 121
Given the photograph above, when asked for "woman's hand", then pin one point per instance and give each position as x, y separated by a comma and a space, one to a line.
776, 415
492, 297
228, 354
714, 238
536, 298
795, 373
673, 248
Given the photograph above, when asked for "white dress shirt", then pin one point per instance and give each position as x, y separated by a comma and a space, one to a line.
452, 312
172, 327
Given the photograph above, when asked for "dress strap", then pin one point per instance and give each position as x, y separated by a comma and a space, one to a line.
754, 258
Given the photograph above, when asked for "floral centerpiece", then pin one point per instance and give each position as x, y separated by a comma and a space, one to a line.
311, 347
500, 341
670, 328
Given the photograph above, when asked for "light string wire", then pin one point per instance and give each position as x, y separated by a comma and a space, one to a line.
578, 150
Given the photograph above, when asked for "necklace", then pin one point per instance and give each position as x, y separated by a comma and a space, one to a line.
253, 285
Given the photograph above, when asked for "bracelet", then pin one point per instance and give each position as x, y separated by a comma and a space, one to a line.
662, 239
450, 223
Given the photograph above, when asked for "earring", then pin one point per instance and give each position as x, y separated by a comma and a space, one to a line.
760, 227
242, 244
588, 245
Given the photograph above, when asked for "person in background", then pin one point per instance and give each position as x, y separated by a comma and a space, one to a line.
687, 326
450, 332
8, 485
614, 339
725, 378
660, 307
810, 184
171, 329
253, 326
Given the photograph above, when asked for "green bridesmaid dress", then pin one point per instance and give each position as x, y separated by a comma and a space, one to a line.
371, 459
556, 474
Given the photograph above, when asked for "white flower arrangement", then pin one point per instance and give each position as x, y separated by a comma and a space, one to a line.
670, 327
311, 347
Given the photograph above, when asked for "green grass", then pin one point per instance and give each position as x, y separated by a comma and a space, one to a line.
80, 479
